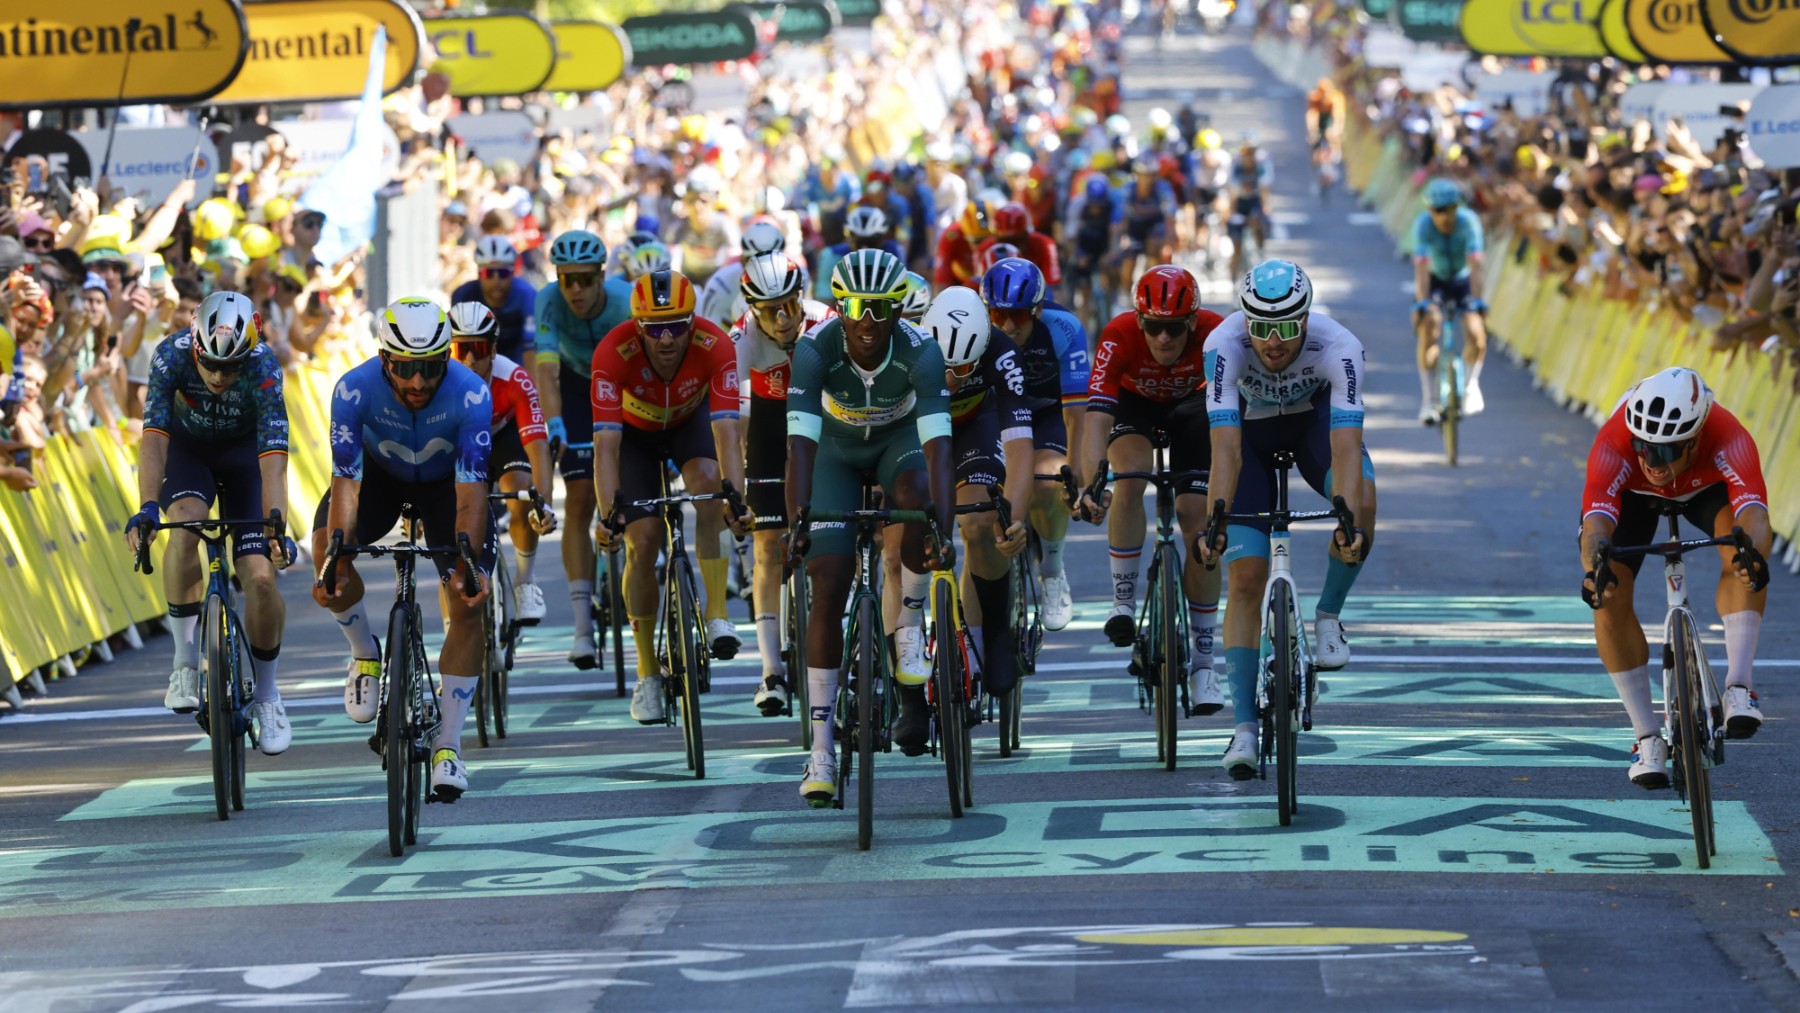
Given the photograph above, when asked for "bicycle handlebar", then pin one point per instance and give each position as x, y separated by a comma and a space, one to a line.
803, 522
1602, 577
1340, 512
727, 492
207, 529
1066, 476
337, 550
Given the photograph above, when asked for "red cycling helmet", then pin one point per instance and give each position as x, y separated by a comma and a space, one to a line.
1012, 220
1167, 292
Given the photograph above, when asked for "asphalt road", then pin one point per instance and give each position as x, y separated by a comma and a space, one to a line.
1467, 838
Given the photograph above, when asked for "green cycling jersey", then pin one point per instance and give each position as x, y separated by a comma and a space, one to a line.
829, 394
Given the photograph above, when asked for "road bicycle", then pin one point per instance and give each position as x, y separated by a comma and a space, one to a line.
408, 720
228, 679
500, 635
1287, 683
1693, 719
793, 606
1027, 618
1452, 377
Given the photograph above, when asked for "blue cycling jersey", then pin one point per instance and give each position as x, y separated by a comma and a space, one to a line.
449, 437
1448, 254
516, 314
178, 400
1055, 359
561, 333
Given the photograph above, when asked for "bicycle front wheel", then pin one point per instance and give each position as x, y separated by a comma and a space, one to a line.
1171, 647
243, 682
794, 597
489, 649
1283, 702
688, 638
615, 617
1689, 745
947, 679
506, 632
217, 683
868, 670
396, 751
1450, 389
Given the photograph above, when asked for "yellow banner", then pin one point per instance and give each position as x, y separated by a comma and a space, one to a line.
111, 51
1754, 31
1671, 31
590, 55
1613, 34
492, 54
318, 50
1533, 27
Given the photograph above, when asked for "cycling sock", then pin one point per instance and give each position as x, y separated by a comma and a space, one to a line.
1634, 693
455, 694
581, 603
527, 564
1741, 630
643, 634
185, 617
821, 689
1052, 563
1339, 576
263, 663
354, 621
912, 597
1474, 371
1124, 574
1203, 621
1427, 386
1240, 671
979, 652
768, 642
712, 575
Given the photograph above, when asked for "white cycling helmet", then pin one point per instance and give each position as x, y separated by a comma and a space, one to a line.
1668, 407
1016, 163
866, 223
763, 237
770, 276
495, 251
413, 328
226, 329
958, 319
917, 298
472, 320
1275, 290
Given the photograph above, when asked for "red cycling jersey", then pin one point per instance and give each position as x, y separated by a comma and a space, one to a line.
1037, 248
1726, 454
627, 391
516, 401
764, 366
955, 263
1123, 364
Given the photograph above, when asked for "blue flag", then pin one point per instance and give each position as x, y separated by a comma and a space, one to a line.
346, 191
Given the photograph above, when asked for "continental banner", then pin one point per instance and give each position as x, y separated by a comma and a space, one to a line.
1763, 32
113, 52
492, 54
1671, 31
1613, 34
702, 37
1556, 28
590, 56
318, 50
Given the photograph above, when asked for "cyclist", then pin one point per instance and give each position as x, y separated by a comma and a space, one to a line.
722, 300
1092, 218
652, 376
955, 264
410, 426
1447, 274
519, 456
215, 425
1325, 128
866, 228
1148, 220
1149, 383
512, 298
1211, 167
1282, 378
1668, 441
867, 395
647, 258
1053, 353
574, 313
773, 286
917, 298
1012, 224
1252, 174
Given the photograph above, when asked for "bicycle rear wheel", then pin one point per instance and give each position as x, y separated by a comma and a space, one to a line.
1689, 748
396, 751
615, 617
1282, 701
794, 600
216, 683
489, 648
1450, 389
243, 681
867, 716
688, 640
946, 689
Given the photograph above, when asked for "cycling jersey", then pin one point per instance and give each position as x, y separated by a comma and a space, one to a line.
628, 392
516, 314
1148, 213
516, 401
829, 394
1243, 388
177, 398
449, 436
1035, 247
999, 381
563, 334
1123, 364
1090, 224
1212, 171
1055, 360
1726, 456
955, 263
1258, 176
1449, 254
763, 366
722, 297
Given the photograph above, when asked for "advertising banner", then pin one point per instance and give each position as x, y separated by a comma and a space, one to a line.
858, 13
801, 20
1429, 20
147, 162
1773, 126
494, 136
492, 54
1699, 106
1527, 90
1670, 31
318, 50
1613, 34
1763, 32
118, 52
1558, 28
686, 39
318, 144
590, 56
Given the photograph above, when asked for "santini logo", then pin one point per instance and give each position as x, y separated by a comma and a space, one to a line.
136, 35
1755, 12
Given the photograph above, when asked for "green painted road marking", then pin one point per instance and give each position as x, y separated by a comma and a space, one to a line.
497, 773
1483, 835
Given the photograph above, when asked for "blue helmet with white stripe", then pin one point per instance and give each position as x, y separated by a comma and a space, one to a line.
1276, 290
1013, 283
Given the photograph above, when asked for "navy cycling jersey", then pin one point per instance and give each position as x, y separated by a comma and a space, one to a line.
516, 314
561, 333
177, 399
450, 437
1055, 360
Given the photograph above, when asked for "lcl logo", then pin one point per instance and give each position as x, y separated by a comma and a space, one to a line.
1555, 12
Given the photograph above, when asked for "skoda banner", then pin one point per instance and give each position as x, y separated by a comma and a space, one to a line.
590, 56
1670, 31
1533, 27
492, 54
1700, 106
1613, 34
1755, 31
491, 137
1429, 20
109, 52
318, 50
858, 13
147, 162
701, 37
1773, 126
801, 20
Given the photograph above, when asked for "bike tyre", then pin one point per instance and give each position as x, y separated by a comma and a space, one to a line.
1282, 700
690, 635
946, 676
1172, 648
1688, 745
219, 719
867, 672
396, 749
615, 619
244, 679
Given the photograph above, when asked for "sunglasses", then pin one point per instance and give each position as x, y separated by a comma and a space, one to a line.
1275, 330
218, 368
1660, 455
471, 349
876, 308
425, 369
40, 243
668, 329
578, 280
962, 372
310, 221
1011, 318
1161, 328
496, 272
1442, 210
777, 310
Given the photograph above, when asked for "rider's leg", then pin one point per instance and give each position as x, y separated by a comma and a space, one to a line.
1625, 653
1199, 585
643, 538
1740, 609
701, 475
183, 585
524, 536
1426, 325
1049, 511
1125, 523
578, 539
1339, 575
265, 613
1248, 562
1474, 351
768, 548
829, 576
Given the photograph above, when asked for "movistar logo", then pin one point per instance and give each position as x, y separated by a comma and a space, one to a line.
698, 35
1757, 11
1672, 15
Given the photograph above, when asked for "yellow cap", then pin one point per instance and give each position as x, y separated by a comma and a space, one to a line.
257, 241
107, 230
213, 220
276, 208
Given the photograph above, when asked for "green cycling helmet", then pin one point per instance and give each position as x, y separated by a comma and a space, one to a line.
871, 274
1442, 193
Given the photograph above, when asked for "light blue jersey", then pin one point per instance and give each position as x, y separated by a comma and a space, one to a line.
1448, 254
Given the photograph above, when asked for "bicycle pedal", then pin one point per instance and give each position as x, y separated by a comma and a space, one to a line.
375, 747
526, 622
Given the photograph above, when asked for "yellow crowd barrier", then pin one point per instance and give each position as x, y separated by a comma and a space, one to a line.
1585, 350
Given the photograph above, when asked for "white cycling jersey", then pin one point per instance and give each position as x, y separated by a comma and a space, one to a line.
763, 366
722, 297
1239, 387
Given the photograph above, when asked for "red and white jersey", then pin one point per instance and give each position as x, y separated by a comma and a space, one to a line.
1123, 365
1726, 454
516, 401
762, 361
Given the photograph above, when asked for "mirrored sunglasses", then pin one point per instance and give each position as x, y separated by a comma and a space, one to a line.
1160, 328
1011, 318
664, 330
1660, 455
575, 281
496, 272
426, 369
1275, 330
471, 349
876, 308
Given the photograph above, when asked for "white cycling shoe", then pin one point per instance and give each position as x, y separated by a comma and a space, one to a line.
722, 636
1473, 402
362, 690
1204, 694
1059, 606
1240, 756
183, 696
1650, 763
647, 700
273, 734
1428, 414
771, 697
449, 778
1331, 651
582, 653
910, 668
530, 599
818, 783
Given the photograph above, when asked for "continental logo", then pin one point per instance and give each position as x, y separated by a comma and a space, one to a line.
324, 44
135, 35
1755, 12
1671, 16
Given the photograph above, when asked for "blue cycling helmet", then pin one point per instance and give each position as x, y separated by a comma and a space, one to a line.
1013, 284
1097, 187
647, 223
578, 246
1442, 193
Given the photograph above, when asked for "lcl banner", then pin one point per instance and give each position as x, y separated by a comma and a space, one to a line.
1765, 32
590, 56
318, 50
110, 52
1533, 27
1613, 34
492, 54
